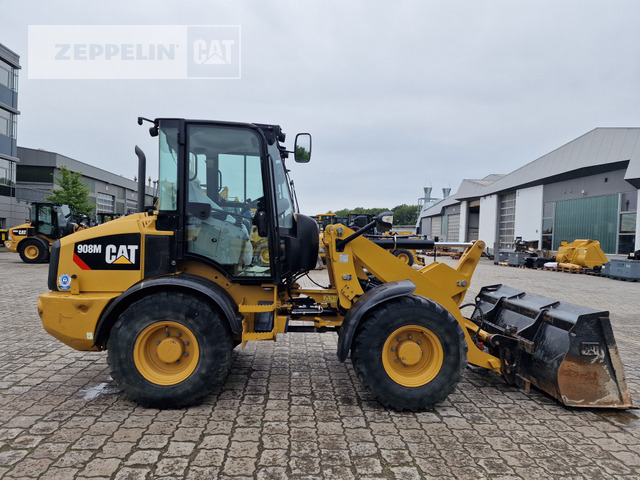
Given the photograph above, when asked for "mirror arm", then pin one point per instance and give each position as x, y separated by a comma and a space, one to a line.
340, 244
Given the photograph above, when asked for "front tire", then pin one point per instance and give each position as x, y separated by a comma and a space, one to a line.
32, 250
409, 353
169, 350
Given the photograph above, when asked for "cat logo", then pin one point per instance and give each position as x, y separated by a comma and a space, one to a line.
111, 252
121, 254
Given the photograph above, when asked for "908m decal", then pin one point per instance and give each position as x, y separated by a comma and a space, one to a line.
113, 252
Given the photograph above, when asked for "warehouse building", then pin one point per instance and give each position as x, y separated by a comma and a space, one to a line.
586, 189
12, 210
111, 193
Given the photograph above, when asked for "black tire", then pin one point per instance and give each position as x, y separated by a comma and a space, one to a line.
139, 339
432, 337
405, 255
33, 250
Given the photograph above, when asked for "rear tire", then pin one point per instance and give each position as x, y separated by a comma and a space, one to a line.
169, 350
32, 250
405, 255
409, 353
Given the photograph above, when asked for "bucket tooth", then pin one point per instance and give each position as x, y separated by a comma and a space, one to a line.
566, 350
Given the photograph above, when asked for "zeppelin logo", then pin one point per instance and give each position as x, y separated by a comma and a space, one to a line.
111, 252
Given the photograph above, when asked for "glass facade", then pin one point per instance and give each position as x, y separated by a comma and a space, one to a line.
548, 214
34, 174
627, 222
8, 106
8, 76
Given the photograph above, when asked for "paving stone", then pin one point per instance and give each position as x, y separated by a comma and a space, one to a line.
290, 409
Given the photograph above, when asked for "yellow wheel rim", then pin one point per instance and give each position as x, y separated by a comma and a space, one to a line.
31, 252
264, 256
166, 353
404, 257
412, 356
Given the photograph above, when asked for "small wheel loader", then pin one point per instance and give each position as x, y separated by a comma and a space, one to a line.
49, 222
169, 293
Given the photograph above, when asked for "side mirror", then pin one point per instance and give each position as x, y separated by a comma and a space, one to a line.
302, 149
385, 220
260, 221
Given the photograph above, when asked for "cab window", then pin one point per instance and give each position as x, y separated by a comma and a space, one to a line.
225, 192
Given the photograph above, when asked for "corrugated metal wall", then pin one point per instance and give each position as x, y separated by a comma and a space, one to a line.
436, 227
594, 218
453, 228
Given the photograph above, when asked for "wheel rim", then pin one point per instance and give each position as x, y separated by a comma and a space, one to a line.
412, 356
264, 256
31, 252
404, 257
166, 353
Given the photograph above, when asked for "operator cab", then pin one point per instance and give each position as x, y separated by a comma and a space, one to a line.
51, 220
223, 188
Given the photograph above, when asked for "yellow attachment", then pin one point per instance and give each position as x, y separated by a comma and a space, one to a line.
582, 253
166, 353
412, 356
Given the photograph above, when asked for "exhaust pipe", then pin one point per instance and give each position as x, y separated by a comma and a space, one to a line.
142, 166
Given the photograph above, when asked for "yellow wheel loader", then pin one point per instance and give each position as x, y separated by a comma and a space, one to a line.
49, 221
170, 293
410, 257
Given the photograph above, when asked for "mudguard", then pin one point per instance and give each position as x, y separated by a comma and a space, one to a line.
366, 302
182, 282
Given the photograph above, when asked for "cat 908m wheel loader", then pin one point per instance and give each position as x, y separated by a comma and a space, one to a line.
49, 221
170, 293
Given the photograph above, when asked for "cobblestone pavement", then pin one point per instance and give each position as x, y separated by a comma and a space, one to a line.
290, 410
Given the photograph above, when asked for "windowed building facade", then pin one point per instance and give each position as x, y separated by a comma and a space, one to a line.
111, 193
12, 211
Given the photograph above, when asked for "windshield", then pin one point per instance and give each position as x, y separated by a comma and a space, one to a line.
283, 194
64, 216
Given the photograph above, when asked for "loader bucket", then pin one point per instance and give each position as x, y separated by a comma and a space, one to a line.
566, 350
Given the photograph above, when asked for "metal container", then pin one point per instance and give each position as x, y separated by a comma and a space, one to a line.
624, 269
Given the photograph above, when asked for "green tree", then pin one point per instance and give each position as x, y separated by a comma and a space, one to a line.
402, 214
373, 211
405, 214
72, 192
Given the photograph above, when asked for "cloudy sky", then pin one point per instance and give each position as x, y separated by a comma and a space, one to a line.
396, 94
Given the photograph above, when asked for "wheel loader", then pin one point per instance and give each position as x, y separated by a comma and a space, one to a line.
49, 222
170, 293
358, 220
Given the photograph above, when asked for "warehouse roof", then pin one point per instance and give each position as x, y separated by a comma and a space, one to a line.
468, 189
600, 150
